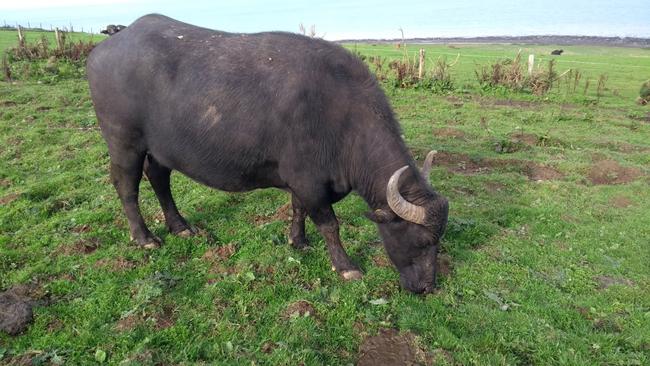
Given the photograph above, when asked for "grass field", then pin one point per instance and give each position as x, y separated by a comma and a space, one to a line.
545, 258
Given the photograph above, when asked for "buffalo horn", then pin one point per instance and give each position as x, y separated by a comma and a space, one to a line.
401, 206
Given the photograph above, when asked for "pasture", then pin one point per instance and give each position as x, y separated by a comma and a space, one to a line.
545, 259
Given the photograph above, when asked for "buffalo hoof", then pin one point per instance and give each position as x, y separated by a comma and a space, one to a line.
299, 243
149, 243
187, 233
352, 275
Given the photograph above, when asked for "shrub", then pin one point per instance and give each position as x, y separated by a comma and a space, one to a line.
644, 93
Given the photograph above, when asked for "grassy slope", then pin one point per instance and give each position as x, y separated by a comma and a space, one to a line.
537, 247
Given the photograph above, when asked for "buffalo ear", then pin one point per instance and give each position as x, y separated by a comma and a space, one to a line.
381, 216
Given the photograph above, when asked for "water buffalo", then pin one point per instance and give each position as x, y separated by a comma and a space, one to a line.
112, 29
244, 111
557, 52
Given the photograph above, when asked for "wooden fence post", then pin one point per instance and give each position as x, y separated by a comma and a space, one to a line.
421, 65
21, 36
531, 64
58, 35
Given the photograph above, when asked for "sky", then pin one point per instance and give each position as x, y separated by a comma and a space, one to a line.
353, 19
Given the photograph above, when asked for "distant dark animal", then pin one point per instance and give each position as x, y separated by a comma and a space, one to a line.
112, 29
557, 52
244, 111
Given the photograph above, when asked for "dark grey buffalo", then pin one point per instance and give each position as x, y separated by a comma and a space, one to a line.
243, 111
557, 52
112, 29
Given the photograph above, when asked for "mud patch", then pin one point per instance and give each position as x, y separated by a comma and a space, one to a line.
464, 164
15, 310
5, 200
605, 282
621, 202
8, 103
389, 347
283, 213
455, 101
449, 132
610, 172
301, 308
5, 182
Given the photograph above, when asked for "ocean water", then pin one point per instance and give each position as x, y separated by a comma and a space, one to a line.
339, 19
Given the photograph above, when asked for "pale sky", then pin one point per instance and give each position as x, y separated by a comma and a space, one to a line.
338, 19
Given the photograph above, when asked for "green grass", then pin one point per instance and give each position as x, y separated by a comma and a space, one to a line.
529, 258
9, 38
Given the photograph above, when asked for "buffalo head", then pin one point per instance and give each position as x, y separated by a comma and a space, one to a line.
411, 233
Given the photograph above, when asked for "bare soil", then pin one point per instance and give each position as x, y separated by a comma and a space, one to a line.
221, 253
524, 138
445, 265
605, 282
390, 347
609, 172
448, 132
9, 198
283, 213
128, 323
621, 202
83, 246
15, 310
115, 264
298, 309
463, 164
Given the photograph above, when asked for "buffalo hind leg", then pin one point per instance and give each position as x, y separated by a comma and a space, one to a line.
159, 177
126, 175
328, 226
297, 237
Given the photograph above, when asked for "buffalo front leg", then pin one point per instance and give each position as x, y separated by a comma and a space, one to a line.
126, 177
328, 226
159, 177
297, 237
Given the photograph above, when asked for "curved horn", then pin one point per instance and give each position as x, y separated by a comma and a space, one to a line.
401, 206
426, 166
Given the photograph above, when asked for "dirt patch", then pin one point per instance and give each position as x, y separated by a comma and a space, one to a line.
221, 253
455, 101
610, 172
5, 182
621, 202
166, 318
380, 260
283, 213
15, 310
389, 347
83, 246
8, 103
115, 264
9, 198
605, 282
43, 108
127, 323
448, 132
299, 309
494, 187
464, 164
524, 138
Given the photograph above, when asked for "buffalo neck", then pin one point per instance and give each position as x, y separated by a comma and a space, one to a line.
374, 164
